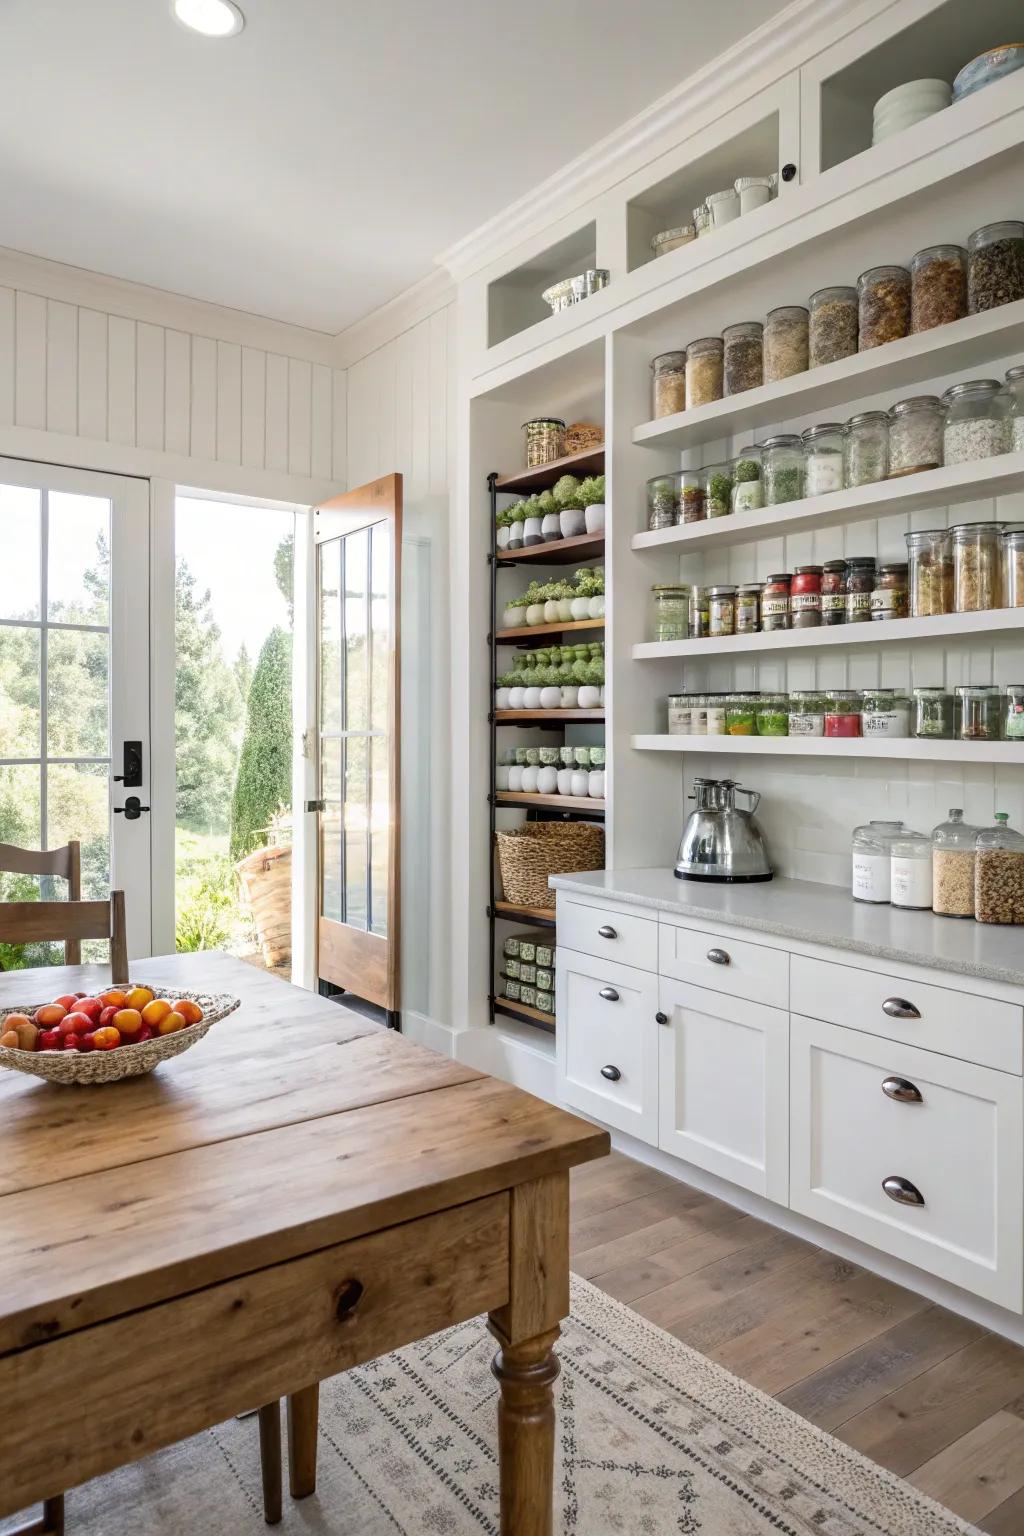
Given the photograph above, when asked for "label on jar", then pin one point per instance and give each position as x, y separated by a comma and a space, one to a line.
888, 603
871, 880
833, 602
679, 720
911, 882
858, 605
716, 720
807, 725
774, 605
885, 722
698, 722
723, 617
805, 602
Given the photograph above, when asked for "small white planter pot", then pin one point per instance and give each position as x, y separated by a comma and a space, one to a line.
565, 610
531, 698
601, 696
515, 534
551, 698
580, 609
515, 779
565, 781
513, 618
580, 783
547, 781
501, 777
596, 607
535, 614
531, 532
551, 611
515, 698
589, 697
501, 698
570, 696
530, 777
572, 522
595, 784
594, 518
550, 527
504, 533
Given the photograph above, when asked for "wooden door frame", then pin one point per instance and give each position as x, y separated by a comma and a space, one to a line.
380, 979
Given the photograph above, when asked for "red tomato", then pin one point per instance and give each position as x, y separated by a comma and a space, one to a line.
76, 1023
91, 1007
67, 1002
72, 1042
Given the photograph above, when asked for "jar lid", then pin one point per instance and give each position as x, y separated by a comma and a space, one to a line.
1015, 373
926, 533
963, 690
782, 576
669, 360
863, 418
705, 344
834, 565
743, 328
963, 531
805, 693
807, 570
670, 587
879, 693
931, 692
972, 387
860, 560
917, 403
938, 252
719, 197
822, 429
783, 440
836, 291
789, 311
721, 591
743, 182
544, 421
879, 274
895, 568
848, 693
681, 232
755, 586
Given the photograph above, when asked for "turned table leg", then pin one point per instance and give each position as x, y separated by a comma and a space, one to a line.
303, 1417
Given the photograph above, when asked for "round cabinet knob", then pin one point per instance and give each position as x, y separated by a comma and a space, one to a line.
609, 994
899, 1008
788, 171
901, 1090
613, 1074
718, 956
606, 931
902, 1191
661, 1018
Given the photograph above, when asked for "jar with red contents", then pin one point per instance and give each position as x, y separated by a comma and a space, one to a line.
842, 712
775, 603
805, 597
833, 592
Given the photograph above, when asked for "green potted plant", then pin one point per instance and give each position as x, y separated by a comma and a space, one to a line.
503, 523
570, 518
591, 495
516, 525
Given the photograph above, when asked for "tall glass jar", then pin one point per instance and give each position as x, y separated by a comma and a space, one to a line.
915, 435
883, 295
700, 613
806, 713
775, 603
977, 567
833, 325
999, 874
1013, 567
773, 715
884, 712
977, 421
663, 501
786, 342
866, 448
743, 356
670, 611
669, 386
910, 871
718, 490
823, 458
980, 712
805, 597
691, 496
741, 714
860, 583
889, 597
938, 287
704, 371
783, 469
871, 845
1015, 390
953, 855
748, 608
679, 713
1013, 717
930, 556
715, 713
747, 489
545, 440
995, 265
722, 611
833, 592
842, 713
933, 714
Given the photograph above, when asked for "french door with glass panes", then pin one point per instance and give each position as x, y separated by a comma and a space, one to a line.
74, 683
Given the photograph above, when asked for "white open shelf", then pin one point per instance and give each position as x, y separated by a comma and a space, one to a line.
952, 628
966, 344
906, 749
949, 486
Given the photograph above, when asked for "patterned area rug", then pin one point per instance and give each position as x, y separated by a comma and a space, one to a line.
653, 1440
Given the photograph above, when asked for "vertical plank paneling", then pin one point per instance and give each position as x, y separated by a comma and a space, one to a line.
403, 405
204, 398
277, 412
254, 406
121, 380
439, 402
339, 446
92, 374
320, 423
360, 376
177, 391
300, 409
150, 386
422, 409
61, 367
30, 344
229, 402
386, 381
7, 356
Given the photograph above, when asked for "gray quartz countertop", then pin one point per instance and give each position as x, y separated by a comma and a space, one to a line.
820, 914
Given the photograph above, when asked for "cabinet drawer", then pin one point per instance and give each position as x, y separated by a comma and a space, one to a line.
707, 959
606, 1042
607, 933
957, 1023
950, 1131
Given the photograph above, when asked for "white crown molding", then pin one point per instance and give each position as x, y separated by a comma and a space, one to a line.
433, 292
797, 33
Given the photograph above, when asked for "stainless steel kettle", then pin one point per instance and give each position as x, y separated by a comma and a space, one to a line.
722, 842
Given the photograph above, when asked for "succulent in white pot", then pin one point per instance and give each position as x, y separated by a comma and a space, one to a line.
550, 527
551, 611
565, 781
569, 696
515, 778
589, 696
594, 517
580, 609
501, 776
531, 527
550, 697
580, 783
502, 523
572, 522
530, 776
502, 697
513, 616
565, 608
590, 497
531, 698
596, 606
547, 781
595, 784
516, 697
535, 614
516, 522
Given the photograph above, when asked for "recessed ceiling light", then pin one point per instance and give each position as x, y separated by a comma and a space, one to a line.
212, 18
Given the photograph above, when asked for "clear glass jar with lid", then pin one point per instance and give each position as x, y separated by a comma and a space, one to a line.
883, 295
722, 611
1013, 567
860, 583
663, 501
910, 871
743, 356
933, 714
741, 714
748, 608
704, 371
930, 559
977, 421
977, 566
783, 468
884, 712
806, 712
842, 713
871, 844
715, 713
670, 612
866, 448
545, 440
773, 714
786, 342
995, 265
979, 712
938, 279
1013, 716
747, 489
775, 613
718, 490
698, 714
691, 496
999, 874
915, 435
833, 325
823, 458
669, 385
700, 613
1015, 390
679, 713
953, 854
890, 598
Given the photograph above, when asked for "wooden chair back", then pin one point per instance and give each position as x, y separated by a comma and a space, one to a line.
65, 862
40, 922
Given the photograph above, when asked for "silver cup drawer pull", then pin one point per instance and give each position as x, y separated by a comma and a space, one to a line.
902, 1191
899, 1008
609, 994
901, 1090
606, 931
719, 956
611, 1073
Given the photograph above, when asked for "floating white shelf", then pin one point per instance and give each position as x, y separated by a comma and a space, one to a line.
965, 343
950, 627
949, 486
906, 750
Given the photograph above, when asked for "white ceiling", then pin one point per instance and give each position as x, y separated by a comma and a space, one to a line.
312, 168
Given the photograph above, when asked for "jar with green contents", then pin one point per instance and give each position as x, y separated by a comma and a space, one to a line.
663, 502
933, 714
741, 714
783, 471
981, 711
747, 490
860, 583
773, 715
884, 712
842, 712
670, 609
691, 496
1013, 718
718, 490
806, 713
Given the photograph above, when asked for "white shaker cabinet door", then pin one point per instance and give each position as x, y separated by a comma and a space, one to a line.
724, 1087
607, 1042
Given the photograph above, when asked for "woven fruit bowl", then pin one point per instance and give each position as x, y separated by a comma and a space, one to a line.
127, 1059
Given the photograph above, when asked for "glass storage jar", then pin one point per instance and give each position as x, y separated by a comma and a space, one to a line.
722, 611
741, 714
671, 239
679, 714
872, 875
1013, 567
748, 608
980, 713
866, 448
823, 458
999, 874
715, 713
860, 583
1013, 716
833, 325
930, 556
704, 371
786, 342
691, 496
717, 490
890, 598
670, 612
773, 715
910, 871
933, 714
700, 613
883, 306
833, 592
743, 350
663, 501
545, 440
938, 279
977, 421
747, 490
783, 468
806, 713
915, 435
884, 712
842, 712
669, 389
995, 265
775, 603
699, 714
953, 854
1015, 390
805, 597
977, 566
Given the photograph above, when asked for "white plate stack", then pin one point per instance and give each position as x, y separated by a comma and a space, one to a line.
908, 104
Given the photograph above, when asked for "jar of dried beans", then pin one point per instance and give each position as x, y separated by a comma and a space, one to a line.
823, 458
930, 557
743, 356
775, 603
783, 469
545, 440
860, 583
995, 265
669, 392
833, 592
915, 435
1013, 567
953, 857
938, 287
704, 371
805, 597
786, 342
833, 325
977, 421
999, 874
977, 567
883, 296
866, 448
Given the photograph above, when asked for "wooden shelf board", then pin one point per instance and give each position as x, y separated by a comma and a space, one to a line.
589, 462
554, 802
524, 1011
524, 635
513, 914
532, 716
949, 627
585, 546
903, 750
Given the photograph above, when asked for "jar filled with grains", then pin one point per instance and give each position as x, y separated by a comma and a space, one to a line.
806, 713
833, 325
1013, 567
977, 421
977, 567
995, 265
977, 713
805, 597
842, 712
743, 356
823, 458
747, 490
938, 287
999, 874
782, 469
775, 603
722, 611
883, 301
890, 598
1015, 390
933, 714
691, 496
718, 490
670, 613
910, 871
786, 342
700, 613
833, 592
866, 448
860, 583
669, 392
1013, 716
748, 608
915, 435
545, 440
884, 712
953, 857
930, 556
704, 371
663, 501
773, 715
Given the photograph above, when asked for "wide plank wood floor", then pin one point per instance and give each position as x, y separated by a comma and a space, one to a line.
937, 1399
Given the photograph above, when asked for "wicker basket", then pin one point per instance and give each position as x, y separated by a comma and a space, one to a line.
581, 435
266, 879
529, 854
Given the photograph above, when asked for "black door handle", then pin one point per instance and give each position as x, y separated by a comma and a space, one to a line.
132, 808
611, 1073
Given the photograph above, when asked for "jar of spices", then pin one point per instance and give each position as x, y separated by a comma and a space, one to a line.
669, 391
1013, 717
741, 714
806, 713
833, 592
995, 265
545, 440
866, 448
823, 458
718, 490
910, 871
930, 553
700, 613
953, 857
748, 608
722, 611
1013, 568
883, 300
977, 421
890, 597
775, 603
842, 713
805, 597
915, 435
679, 714
704, 371
872, 874
884, 712
715, 714
691, 496
743, 356
1015, 390
786, 342
860, 583
980, 712
999, 874
933, 714
670, 612
938, 278
782, 468
977, 567
663, 501
833, 325
747, 491
773, 715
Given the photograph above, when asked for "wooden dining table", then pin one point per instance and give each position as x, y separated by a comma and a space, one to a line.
300, 1192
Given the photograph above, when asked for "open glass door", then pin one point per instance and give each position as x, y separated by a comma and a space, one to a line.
359, 541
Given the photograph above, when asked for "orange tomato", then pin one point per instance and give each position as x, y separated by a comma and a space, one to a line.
49, 1015
106, 1038
128, 1021
115, 998
137, 998
171, 1024
158, 1009
190, 1011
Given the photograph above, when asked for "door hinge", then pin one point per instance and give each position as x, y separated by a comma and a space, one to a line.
316, 805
